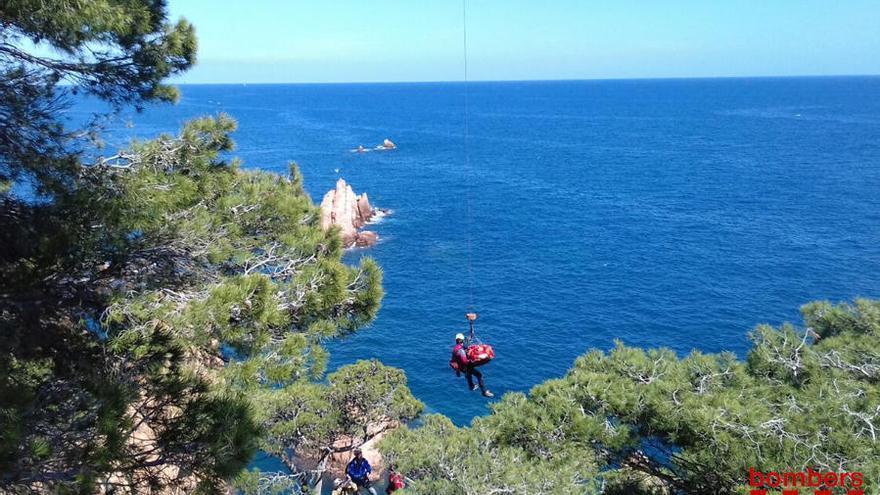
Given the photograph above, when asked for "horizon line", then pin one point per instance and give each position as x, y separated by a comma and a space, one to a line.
594, 79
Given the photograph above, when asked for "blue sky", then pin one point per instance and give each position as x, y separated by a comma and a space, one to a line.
418, 40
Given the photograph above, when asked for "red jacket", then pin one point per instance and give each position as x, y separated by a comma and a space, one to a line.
459, 355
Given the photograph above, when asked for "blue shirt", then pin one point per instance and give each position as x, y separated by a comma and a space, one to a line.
358, 470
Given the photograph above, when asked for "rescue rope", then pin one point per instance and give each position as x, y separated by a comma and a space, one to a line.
467, 161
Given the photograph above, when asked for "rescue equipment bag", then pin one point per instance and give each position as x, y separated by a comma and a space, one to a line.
480, 354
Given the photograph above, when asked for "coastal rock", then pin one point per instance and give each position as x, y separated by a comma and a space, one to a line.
364, 211
345, 445
366, 238
343, 451
342, 207
143, 440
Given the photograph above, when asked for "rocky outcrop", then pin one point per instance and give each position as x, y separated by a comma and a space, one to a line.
366, 238
155, 477
341, 451
143, 440
342, 207
344, 447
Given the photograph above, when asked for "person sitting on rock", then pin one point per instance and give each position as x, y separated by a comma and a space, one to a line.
359, 471
460, 358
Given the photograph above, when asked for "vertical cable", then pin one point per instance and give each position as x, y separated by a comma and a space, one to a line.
467, 160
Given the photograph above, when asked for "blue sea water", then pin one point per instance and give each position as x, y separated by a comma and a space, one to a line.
674, 213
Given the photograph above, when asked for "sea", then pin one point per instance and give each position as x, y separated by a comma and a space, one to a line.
570, 215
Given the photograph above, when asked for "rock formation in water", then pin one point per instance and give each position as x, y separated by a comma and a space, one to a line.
342, 207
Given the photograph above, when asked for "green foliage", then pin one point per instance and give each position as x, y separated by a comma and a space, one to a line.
255, 482
628, 481
827, 320
118, 51
367, 393
442, 458
359, 401
191, 258
126, 283
164, 309
650, 422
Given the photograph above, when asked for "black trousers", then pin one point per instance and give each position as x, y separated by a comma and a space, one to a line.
470, 372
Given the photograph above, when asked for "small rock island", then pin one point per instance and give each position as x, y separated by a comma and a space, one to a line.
350, 211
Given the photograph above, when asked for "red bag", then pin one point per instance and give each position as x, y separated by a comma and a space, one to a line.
480, 354
395, 482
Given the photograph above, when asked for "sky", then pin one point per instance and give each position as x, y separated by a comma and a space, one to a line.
275, 41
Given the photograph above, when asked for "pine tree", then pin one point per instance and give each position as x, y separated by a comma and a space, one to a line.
147, 299
200, 288
646, 421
